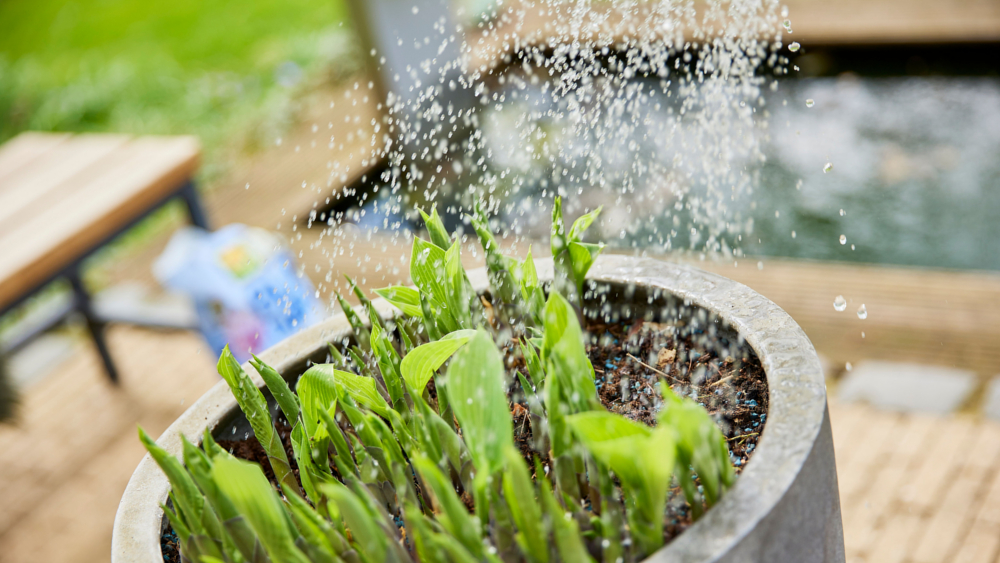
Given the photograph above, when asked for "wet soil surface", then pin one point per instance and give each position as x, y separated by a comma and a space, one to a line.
629, 361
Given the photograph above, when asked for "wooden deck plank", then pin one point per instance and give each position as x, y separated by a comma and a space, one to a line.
845, 22
163, 373
895, 541
878, 489
980, 546
924, 490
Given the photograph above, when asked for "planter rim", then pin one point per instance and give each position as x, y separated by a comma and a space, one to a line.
796, 414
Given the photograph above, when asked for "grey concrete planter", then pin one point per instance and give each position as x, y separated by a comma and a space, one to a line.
783, 508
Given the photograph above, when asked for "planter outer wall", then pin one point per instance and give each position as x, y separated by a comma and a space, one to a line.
784, 507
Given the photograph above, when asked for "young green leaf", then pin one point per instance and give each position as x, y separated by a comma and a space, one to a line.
501, 279
361, 389
366, 303
361, 522
248, 489
642, 458
569, 543
404, 298
240, 535
188, 499
435, 229
361, 334
476, 393
427, 269
700, 444
582, 256
460, 292
339, 443
254, 406
565, 356
278, 387
520, 496
582, 224
311, 526
388, 363
453, 515
420, 364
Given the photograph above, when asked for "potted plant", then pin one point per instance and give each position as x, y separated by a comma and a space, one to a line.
466, 421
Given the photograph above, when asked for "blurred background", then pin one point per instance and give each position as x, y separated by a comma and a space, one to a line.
875, 225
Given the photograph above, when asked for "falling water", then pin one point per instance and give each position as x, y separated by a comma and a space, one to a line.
654, 110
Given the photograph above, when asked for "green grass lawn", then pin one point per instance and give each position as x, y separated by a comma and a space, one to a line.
228, 71
222, 69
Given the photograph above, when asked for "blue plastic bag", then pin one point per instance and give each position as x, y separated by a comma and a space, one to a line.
244, 286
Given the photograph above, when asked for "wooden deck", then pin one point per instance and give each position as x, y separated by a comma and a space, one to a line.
914, 489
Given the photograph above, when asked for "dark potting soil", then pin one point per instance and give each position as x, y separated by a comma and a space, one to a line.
629, 361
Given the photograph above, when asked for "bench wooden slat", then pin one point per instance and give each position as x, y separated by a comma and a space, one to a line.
37, 186
23, 149
53, 232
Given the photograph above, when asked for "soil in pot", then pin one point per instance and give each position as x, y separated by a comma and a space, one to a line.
629, 360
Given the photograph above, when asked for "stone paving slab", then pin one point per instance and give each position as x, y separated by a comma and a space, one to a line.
907, 387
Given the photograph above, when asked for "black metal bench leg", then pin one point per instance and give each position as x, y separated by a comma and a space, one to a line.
189, 194
94, 325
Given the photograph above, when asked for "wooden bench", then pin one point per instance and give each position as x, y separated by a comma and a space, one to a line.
62, 197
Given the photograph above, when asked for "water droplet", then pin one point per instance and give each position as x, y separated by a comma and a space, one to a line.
843, 239
842, 213
787, 24
793, 234
794, 46
810, 102
839, 303
828, 167
848, 366
862, 312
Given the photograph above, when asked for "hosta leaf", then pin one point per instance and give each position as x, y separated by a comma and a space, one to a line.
700, 444
453, 515
360, 521
459, 292
569, 543
420, 364
476, 392
313, 528
520, 496
189, 501
642, 458
435, 229
339, 442
582, 256
565, 355
582, 224
361, 334
427, 268
278, 387
404, 298
499, 266
317, 389
254, 406
361, 389
388, 363
248, 489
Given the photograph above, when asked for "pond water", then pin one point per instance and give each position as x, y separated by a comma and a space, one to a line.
914, 177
